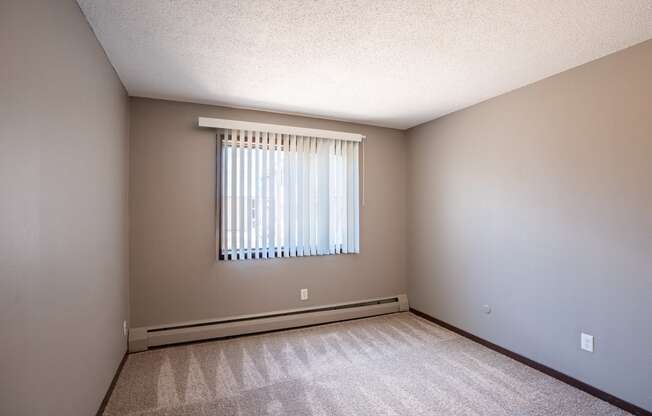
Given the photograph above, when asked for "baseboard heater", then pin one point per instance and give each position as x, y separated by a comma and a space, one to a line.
140, 339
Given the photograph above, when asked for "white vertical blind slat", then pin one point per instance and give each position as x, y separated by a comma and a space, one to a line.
300, 195
272, 198
286, 195
241, 182
355, 197
332, 197
246, 189
291, 189
338, 197
313, 198
306, 196
259, 194
266, 195
349, 198
223, 201
234, 195
252, 194
322, 196
345, 197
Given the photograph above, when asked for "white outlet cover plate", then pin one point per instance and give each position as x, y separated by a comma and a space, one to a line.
587, 342
304, 294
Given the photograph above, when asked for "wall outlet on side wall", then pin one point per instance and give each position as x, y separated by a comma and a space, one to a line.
304, 294
124, 328
586, 342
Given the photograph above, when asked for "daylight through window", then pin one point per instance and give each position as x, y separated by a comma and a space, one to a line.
285, 195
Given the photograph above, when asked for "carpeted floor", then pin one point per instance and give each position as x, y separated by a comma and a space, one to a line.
395, 364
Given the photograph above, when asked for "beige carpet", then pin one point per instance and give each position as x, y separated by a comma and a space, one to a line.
396, 364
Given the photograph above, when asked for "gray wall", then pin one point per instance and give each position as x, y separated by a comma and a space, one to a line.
174, 273
63, 212
539, 203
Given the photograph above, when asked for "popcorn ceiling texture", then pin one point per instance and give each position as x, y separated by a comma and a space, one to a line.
387, 63
390, 365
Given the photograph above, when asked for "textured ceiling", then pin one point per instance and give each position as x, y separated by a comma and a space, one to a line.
387, 63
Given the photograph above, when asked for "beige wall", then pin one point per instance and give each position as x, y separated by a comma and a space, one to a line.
539, 203
174, 273
63, 212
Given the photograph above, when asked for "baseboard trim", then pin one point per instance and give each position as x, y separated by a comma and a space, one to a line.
602, 395
105, 401
251, 334
142, 338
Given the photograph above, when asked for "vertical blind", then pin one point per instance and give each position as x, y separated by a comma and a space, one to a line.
286, 195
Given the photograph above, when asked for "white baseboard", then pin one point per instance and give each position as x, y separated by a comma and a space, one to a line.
140, 339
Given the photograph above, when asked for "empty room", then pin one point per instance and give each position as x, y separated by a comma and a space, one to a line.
316, 208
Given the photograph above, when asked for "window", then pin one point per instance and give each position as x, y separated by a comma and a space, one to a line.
286, 195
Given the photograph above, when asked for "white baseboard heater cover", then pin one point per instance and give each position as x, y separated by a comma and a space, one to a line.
140, 339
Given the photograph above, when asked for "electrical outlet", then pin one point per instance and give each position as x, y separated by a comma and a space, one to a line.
586, 342
304, 294
486, 309
124, 328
